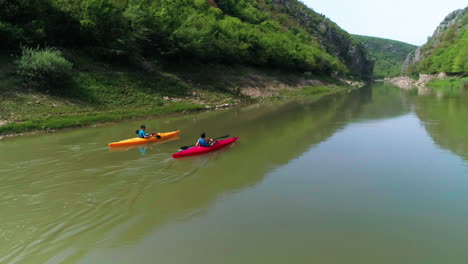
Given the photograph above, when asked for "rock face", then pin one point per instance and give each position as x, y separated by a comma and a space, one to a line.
356, 57
405, 82
454, 19
412, 58
402, 82
388, 54
334, 39
450, 20
330, 36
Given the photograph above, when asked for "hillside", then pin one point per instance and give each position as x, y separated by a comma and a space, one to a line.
447, 49
277, 33
70, 63
389, 55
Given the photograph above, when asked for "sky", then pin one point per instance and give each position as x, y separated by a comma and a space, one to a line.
410, 21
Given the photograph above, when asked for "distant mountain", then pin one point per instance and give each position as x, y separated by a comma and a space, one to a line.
447, 49
389, 55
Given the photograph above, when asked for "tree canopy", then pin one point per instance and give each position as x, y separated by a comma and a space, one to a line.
262, 33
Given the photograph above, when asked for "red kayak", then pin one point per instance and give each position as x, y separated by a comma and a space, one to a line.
202, 150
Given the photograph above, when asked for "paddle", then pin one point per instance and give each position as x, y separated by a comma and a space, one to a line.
191, 146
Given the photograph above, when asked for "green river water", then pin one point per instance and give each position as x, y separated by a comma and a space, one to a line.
376, 175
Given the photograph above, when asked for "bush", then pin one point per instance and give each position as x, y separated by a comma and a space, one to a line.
44, 69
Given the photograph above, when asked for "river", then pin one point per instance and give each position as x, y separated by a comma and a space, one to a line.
377, 175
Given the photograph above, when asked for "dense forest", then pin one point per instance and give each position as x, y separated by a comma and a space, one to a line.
265, 33
67, 63
446, 51
389, 55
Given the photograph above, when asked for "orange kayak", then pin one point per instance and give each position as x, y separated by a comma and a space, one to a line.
137, 140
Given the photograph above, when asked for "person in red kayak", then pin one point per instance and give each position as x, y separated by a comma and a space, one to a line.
204, 141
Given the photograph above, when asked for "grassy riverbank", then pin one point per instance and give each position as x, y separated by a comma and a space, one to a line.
99, 92
449, 83
451, 87
90, 118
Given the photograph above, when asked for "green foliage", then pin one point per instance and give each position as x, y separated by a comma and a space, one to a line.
45, 69
106, 92
35, 22
350, 57
256, 32
96, 87
447, 51
389, 55
244, 9
450, 87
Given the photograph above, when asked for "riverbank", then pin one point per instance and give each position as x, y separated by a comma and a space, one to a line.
101, 92
436, 81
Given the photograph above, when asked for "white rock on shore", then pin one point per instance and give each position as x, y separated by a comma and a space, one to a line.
406, 82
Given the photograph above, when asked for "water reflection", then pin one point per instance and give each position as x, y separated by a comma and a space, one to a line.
67, 194
144, 147
444, 114
385, 101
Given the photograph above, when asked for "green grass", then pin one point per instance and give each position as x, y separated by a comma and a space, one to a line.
450, 83
86, 119
98, 92
95, 87
450, 87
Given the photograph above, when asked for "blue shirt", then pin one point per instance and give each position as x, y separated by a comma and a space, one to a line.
142, 134
203, 142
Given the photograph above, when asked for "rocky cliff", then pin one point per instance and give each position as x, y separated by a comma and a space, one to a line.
445, 51
388, 54
334, 39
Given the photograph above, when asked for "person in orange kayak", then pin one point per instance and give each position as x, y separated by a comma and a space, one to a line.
142, 133
203, 141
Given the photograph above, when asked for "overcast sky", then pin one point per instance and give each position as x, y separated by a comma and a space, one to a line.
411, 21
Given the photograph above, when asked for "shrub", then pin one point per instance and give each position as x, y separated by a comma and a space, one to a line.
308, 75
44, 69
